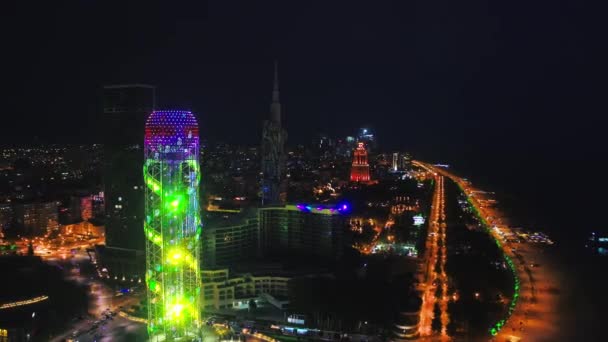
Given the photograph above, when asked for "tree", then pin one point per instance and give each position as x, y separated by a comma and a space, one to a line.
436, 318
252, 305
439, 291
455, 313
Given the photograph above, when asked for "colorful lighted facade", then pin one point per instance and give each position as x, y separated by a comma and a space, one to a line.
360, 168
172, 225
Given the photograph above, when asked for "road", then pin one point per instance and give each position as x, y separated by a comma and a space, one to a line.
435, 258
535, 316
102, 298
442, 276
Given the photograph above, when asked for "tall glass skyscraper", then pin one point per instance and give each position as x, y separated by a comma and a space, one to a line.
172, 225
125, 109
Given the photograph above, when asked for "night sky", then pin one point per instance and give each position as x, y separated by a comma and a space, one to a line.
510, 92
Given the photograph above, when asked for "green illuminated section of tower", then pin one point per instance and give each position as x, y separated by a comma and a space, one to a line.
172, 225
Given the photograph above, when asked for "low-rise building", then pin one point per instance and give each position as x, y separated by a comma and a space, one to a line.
220, 291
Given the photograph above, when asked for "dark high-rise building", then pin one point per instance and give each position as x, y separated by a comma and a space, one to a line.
125, 110
324, 143
273, 232
230, 240
302, 230
6, 217
70, 212
406, 161
274, 185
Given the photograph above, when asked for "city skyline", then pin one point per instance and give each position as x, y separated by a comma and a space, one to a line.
224, 170
479, 84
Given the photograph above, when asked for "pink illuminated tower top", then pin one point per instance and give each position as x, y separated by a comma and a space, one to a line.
168, 130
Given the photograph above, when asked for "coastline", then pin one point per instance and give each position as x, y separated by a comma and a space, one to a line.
535, 316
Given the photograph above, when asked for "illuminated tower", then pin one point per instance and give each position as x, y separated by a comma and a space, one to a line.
360, 169
274, 185
172, 225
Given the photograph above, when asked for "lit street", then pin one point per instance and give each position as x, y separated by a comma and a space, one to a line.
102, 298
435, 259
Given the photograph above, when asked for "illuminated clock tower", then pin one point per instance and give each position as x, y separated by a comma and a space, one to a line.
360, 168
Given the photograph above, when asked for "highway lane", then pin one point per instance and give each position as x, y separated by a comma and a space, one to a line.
435, 244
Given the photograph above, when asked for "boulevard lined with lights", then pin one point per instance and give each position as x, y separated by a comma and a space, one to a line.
436, 244
443, 301
495, 329
24, 302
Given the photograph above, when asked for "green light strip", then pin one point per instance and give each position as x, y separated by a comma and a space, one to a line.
174, 296
152, 183
501, 323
